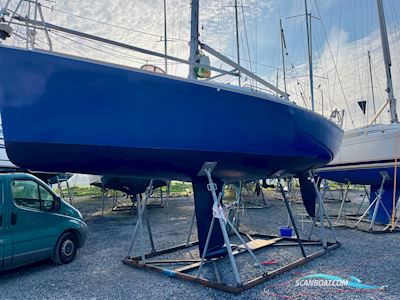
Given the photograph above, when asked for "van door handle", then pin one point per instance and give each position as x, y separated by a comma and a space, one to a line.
13, 218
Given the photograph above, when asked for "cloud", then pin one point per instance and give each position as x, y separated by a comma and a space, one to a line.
352, 66
139, 18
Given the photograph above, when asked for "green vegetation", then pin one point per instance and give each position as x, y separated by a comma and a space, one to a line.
183, 189
82, 191
177, 189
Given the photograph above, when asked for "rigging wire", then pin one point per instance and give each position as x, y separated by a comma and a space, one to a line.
112, 25
179, 35
334, 63
298, 85
66, 45
247, 41
100, 49
337, 47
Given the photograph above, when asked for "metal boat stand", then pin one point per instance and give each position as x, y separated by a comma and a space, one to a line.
156, 200
60, 191
293, 194
218, 214
355, 214
321, 216
257, 200
142, 214
120, 203
238, 210
193, 219
235, 210
394, 226
344, 199
372, 226
192, 268
236, 207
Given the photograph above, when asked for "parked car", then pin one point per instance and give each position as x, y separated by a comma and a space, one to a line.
36, 224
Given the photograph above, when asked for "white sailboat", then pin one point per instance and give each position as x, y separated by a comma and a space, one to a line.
369, 155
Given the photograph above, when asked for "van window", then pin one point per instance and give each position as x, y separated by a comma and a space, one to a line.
46, 199
28, 193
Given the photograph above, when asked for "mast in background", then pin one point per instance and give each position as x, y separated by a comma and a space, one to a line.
237, 39
165, 37
310, 60
194, 37
283, 48
388, 62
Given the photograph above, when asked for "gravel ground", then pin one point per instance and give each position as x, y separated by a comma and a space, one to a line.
98, 273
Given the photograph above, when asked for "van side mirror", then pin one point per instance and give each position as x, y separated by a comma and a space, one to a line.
57, 203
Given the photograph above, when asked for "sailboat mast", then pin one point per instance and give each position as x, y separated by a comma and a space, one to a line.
237, 38
387, 61
165, 37
283, 47
194, 37
310, 60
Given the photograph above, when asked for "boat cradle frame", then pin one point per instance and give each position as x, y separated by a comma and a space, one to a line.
256, 242
182, 274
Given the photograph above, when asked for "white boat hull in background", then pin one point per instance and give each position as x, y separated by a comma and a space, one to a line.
365, 154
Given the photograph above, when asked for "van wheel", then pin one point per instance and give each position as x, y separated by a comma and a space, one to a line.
66, 248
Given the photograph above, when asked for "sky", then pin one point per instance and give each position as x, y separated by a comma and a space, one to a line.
342, 33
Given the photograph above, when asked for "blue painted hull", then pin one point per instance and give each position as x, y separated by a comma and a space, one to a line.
129, 122
366, 175
369, 173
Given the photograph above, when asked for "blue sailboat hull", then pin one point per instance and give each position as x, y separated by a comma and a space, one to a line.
122, 121
360, 173
370, 173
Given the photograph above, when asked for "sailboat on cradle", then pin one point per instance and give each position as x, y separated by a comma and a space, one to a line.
142, 131
369, 155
